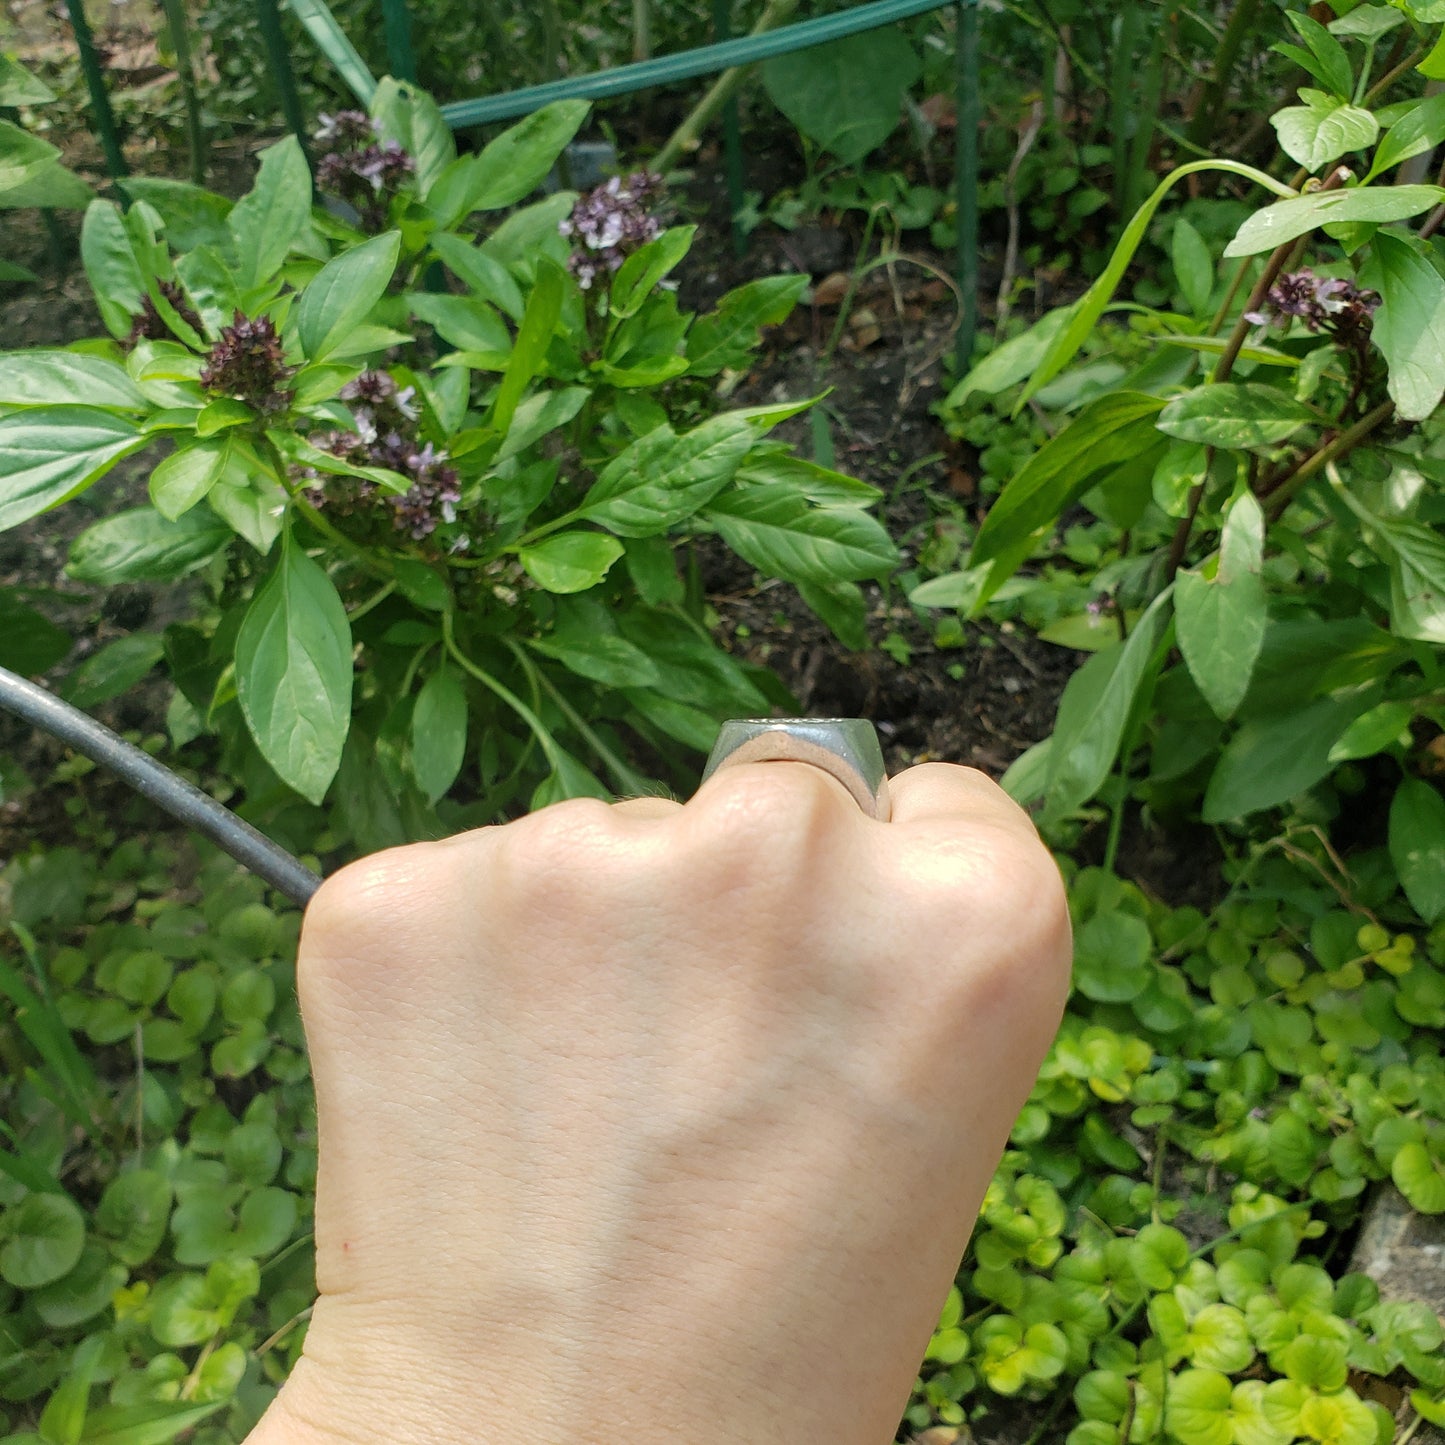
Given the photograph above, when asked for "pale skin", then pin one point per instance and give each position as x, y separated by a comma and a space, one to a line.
646, 1123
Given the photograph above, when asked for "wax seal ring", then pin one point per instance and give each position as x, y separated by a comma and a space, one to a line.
845, 748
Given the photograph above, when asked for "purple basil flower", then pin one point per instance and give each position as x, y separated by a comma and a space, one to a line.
609, 223
247, 363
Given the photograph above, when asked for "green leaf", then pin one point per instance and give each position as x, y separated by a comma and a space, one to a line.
111, 267
538, 415
193, 217
604, 657
1274, 758
663, 478
19, 87
640, 272
1419, 130
1416, 556
156, 1424
726, 337
1221, 621
1085, 313
781, 533
1111, 957
513, 165
534, 336
141, 545
340, 295
133, 1214
487, 277
1433, 65
846, 96
1286, 220
1095, 708
1218, 1339
1234, 414
1193, 266
293, 673
29, 642
1374, 731
409, 116
1339, 1419
1113, 429
1323, 129
1011, 361
570, 561
60, 378
439, 733
1409, 326
115, 669
421, 584
45, 1235
87, 1291
842, 606
332, 41
1417, 846
1197, 1409
265, 222
1333, 65
184, 478
471, 324
63, 1418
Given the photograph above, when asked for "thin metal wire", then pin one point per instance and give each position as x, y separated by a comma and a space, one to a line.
180, 799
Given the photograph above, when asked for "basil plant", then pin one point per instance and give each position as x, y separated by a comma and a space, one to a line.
437, 460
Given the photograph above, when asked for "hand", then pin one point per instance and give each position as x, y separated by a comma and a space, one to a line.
648, 1122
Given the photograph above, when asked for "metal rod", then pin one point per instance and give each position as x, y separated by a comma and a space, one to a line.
274, 38
182, 800
704, 60
95, 84
965, 143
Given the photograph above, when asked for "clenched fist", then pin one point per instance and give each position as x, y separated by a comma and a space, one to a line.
653, 1122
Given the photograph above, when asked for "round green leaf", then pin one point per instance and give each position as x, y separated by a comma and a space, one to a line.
1419, 1178
1111, 957
83, 1293
46, 1236
133, 1214
570, 561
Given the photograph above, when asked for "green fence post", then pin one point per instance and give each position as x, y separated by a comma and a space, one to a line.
274, 39
95, 84
722, 28
965, 143
400, 54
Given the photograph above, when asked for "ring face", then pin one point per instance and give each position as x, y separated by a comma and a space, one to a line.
846, 748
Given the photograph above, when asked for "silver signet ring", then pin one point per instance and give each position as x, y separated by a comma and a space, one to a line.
845, 748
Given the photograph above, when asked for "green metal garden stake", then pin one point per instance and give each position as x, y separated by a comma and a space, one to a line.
269, 17
400, 53
965, 145
95, 84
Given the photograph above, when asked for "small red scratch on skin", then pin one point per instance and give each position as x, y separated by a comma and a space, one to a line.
346, 1246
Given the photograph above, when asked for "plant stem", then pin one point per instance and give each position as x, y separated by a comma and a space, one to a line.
538, 727
631, 782
1225, 367
327, 529
195, 131
719, 93
849, 296
1281, 491
375, 600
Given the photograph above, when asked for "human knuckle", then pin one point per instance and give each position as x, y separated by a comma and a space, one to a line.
368, 898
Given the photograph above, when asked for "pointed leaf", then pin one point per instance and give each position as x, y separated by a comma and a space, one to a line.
265, 221
1417, 131
1417, 846
62, 378
1222, 621
1234, 414
293, 673
781, 533
512, 166
1409, 326
1323, 129
409, 116
1285, 220
439, 733
50, 454
570, 561
342, 293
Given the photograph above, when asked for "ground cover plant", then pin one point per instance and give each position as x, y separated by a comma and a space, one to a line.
1218, 482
